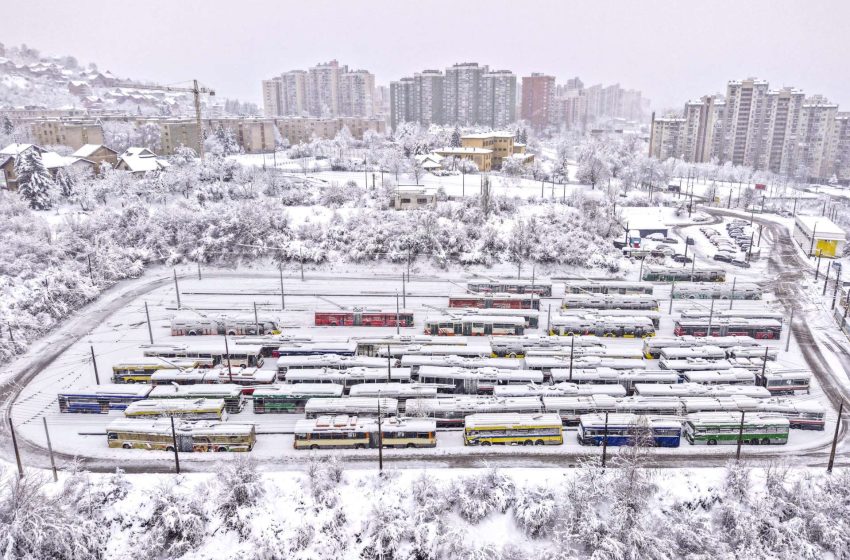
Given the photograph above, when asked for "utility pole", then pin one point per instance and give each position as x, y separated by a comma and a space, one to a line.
282, 300
380, 439
605, 441
710, 317
176, 287
199, 271
672, 294
826, 280
256, 320
174, 445
549, 320
732, 297
94, 363
740, 437
301, 258
817, 268
148, 316
403, 291
572, 353
835, 438
640, 272
227, 357
389, 365
397, 319
91, 274
758, 243
837, 285
790, 330
17, 451
50, 450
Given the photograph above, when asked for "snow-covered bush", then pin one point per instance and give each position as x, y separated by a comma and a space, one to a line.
239, 488
175, 524
535, 509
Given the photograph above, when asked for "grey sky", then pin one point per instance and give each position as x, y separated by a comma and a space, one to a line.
672, 50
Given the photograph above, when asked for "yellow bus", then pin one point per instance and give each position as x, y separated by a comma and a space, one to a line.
352, 432
140, 370
190, 436
196, 409
513, 429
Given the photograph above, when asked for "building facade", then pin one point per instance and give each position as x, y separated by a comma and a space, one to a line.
538, 100
497, 99
356, 93
72, 133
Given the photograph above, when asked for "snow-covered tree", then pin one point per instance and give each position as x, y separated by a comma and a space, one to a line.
34, 180
455, 141
222, 142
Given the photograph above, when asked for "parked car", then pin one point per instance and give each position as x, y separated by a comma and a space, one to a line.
679, 258
671, 240
655, 236
739, 262
723, 257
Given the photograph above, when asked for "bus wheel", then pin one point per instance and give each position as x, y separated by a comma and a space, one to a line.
765, 441
411, 445
314, 447
192, 333
712, 442
221, 449
512, 355
485, 443
755, 441
538, 442
529, 442
127, 446
359, 446
169, 448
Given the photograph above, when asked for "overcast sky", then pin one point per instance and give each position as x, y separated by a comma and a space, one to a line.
672, 50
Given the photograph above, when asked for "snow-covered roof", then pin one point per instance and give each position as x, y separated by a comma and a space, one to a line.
140, 160
89, 149
820, 225
17, 149
463, 151
482, 135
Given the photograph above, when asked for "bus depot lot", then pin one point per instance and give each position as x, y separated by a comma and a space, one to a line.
119, 337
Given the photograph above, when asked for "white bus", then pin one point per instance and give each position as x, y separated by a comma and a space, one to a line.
519, 346
804, 415
247, 376
352, 432
737, 403
699, 390
457, 380
694, 364
348, 378
184, 376
468, 362
327, 361
559, 390
363, 406
610, 301
475, 325
190, 409
753, 352
652, 346
239, 356
717, 290
369, 345
571, 408
402, 392
607, 287
477, 351
626, 327
537, 287
705, 352
784, 382
233, 397
731, 376
450, 411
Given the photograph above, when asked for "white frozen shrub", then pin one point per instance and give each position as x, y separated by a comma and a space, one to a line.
240, 488
535, 510
176, 523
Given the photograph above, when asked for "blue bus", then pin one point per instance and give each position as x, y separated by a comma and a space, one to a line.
100, 399
630, 429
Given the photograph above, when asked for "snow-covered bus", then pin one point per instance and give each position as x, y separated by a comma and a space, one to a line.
195, 324
238, 356
353, 432
233, 397
626, 327
139, 370
450, 411
731, 376
717, 428
469, 362
760, 329
369, 346
477, 351
610, 352
402, 392
470, 381
184, 376
784, 381
348, 378
495, 301
700, 390
607, 287
363, 318
518, 346
327, 361
190, 436
475, 325
248, 378
363, 406
706, 352
317, 348
530, 316
547, 364
570, 409
612, 301
536, 287
657, 273
285, 399
653, 316
190, 409
652, 346
629, 429
693, 364
732, 314
513, 429
100, 399
717, 290
564, 389
803, 415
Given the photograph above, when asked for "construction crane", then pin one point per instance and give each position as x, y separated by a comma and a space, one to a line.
196, 90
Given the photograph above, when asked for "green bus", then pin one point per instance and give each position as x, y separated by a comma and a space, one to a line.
713, 428
282, 399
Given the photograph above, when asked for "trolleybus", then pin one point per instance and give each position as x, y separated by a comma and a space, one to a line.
190, 409
100, 399
495, 301
513, 429
510, 287
629, 429
284, 399
353, 432
475, 325
364, 318
718, 428
450, 411
233, 397
607, 287
190, 436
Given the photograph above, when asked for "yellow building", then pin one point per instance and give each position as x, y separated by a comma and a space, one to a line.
500, 143
483, 157
819, 236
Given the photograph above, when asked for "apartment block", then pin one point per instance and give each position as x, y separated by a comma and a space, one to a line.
72, 133
294, 92
462, 93
538, 100
817, 122
273, 97
428, 97
782, 123
304, 129
746, 110
323, 89
402, 102
668, 138
497, 99
356, 93
840, 147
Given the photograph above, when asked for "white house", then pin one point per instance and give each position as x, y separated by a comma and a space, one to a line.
140, 161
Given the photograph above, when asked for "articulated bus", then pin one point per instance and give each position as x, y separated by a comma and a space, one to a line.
478, 351
470, 381
211, 354
704, 352
352, 432
327, 361
519, 346
340, 348
193, 324
530, 316
190, 409
470, 362
614, 301
784, 382
731, 314
475, 325
717, 290
626, 327
699, 390
718, 428
629, 429
760, 329
513, 429
233, 397
140, 370
363, 318
608, 287
694, 364
495, 301
184, 376
285, 399
369, 346
190, 436
450, 411
559, 390
100, 399
652, 346
547, 363
656, 273
363, 406
537, 287
348, 378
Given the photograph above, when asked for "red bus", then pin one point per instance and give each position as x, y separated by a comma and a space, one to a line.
496, 301
363, 318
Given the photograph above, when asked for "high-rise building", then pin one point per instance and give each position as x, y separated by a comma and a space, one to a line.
401, 102
668, 138
746, 108
538, 100
497, 100
780, 131
323, 89
272, 97
356, 93
462, 93
428, 97
703, 126
840, 147
294, 92
815, 133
